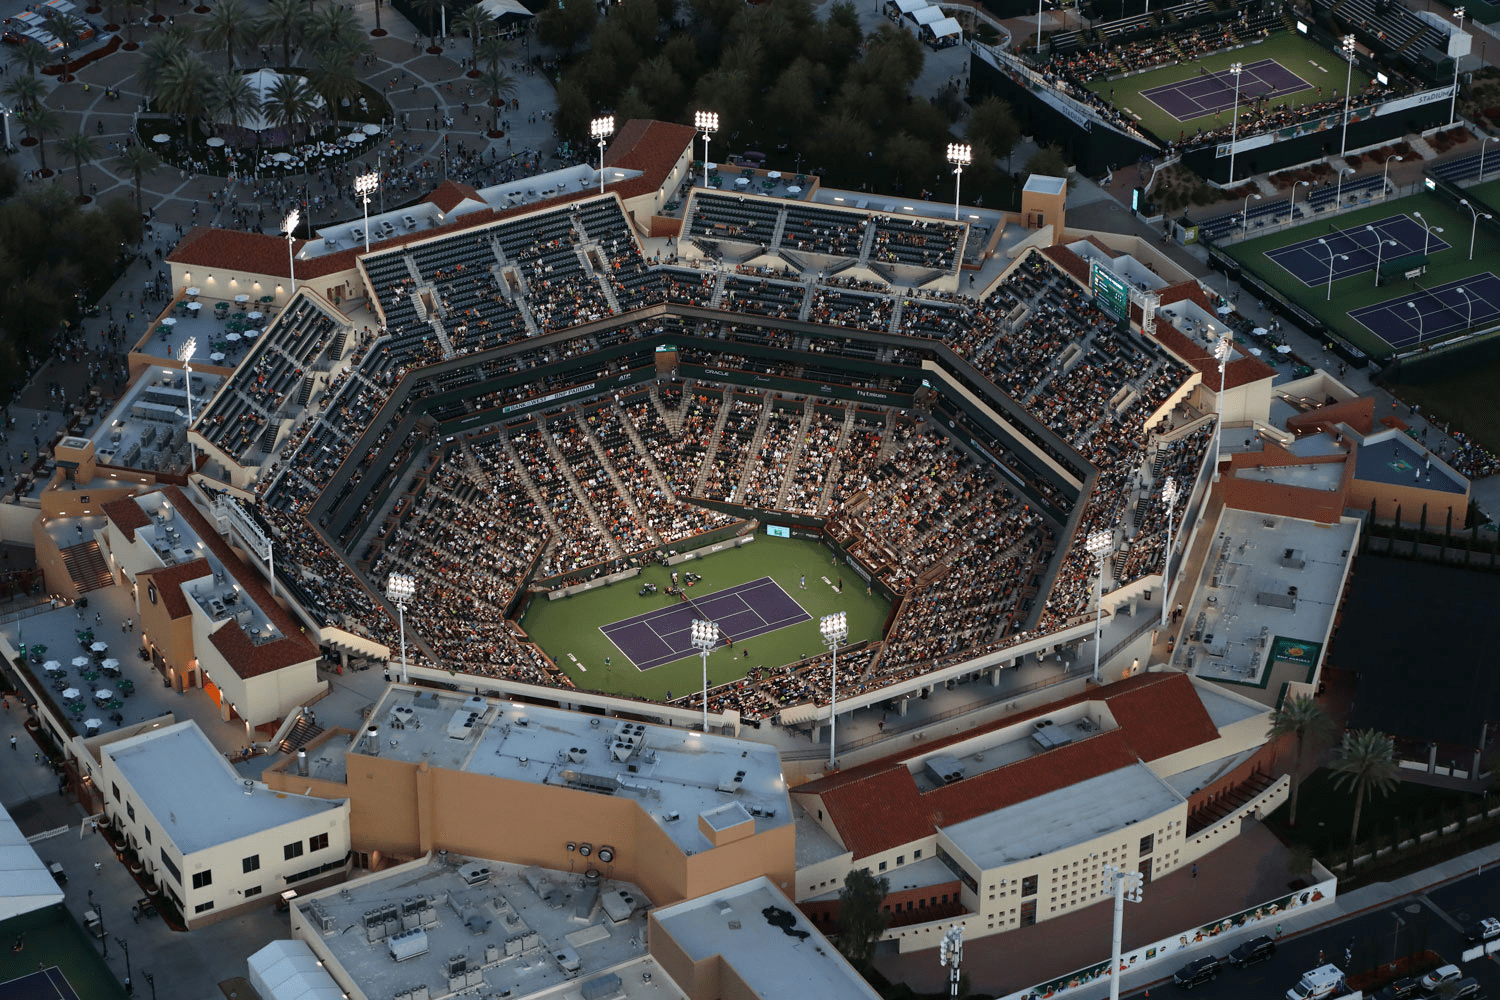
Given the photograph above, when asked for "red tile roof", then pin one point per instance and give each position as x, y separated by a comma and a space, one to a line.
653, 148
1241, 371
169, 581
1075, 266
127, 516
878, 806
450, 194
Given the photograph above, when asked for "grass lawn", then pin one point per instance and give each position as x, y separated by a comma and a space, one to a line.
1358, 290
1325, 812
1304, 57
568, 628
51, 937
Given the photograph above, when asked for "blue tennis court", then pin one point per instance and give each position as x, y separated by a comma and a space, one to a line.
741, 612
1208, 92
1431, 313
1309, 261
44, 984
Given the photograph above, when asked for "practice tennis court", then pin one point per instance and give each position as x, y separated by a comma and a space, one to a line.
44, 984
1309, 261
1431, 313
1212, 92
741, 612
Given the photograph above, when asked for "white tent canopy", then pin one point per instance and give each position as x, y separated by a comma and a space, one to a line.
500, 9
906, 6
288, 970
25, 883
926, 15
945, 28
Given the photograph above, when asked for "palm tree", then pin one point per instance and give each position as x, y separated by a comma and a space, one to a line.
499, 86
475, 23
335, 27
137, 161
33, 55
182, 85
335, 82
1304, 718
1366, 764
41, 121
284, 19
79, 148
26, 91
229, 25
65, 29
494, 49
231, 97
155, 57
290, 102
130, 8
432, 7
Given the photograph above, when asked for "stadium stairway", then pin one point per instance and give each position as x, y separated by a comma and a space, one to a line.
795, 458
580, 495
612, 471
756, 440
672, 418
529, 484
836, 463
86, 566
888, 437
701, 480
644, 457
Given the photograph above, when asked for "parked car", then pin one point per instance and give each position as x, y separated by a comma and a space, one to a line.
1403, 989
1485, 930
1467, 988
1317, 983
1255, 950
1442, 975
1196, 972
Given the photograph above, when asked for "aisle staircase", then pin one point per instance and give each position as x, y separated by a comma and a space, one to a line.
86, 566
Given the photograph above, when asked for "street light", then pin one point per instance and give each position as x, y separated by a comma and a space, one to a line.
151, 982
1484, 147
1474, 227
1097, 545
1291, 215
123, 944
398, 590
602, 129
1234, 124
1124, 885
363, 185
1470, 324
1245, 212
960, 154
1385, 182
1420, 331
289, 227
1338, 196
1169, 495
704, 636
1346, 47
1222, 350
1427, 239
1380, 246
1331, 258
189, 348
835, 629
1458, 13
706, 122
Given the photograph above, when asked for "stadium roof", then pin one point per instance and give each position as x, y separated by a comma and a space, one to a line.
25, 883
653, 148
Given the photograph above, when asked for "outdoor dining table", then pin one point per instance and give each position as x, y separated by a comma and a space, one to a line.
99, 647
194, 307
242, 298
216, 357
252, 333
52, 667
91, 675
233, 338
192, 293
254, 315
127, 687
80, 661
70, 693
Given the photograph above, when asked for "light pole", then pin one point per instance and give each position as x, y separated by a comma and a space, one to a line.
1458, 14
1426, 240
835, 629
1291, 215
1338, 196
1124, 885
398, 590
951, 955
1420, 331
1346, 47
1245, 212
1484, 147
1380, 245
363, 185
289, 227
602, 129
122, 943
1097, 545
1331, 258
1474, 228
960, 154
704, 636
189, 348
1470, 323
1234, 123
1385, 183
1222, 350
706, 122
1039, 32
151, 982
1169, 494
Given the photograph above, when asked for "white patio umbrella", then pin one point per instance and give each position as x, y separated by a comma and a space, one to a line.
70, 694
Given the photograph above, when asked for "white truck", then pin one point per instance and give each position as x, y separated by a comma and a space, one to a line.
1317, 983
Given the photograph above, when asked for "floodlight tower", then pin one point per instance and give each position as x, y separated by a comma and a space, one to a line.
1234, 124
960, 154
289, 227
704, 636
398, 590
189, 348
363, 185
835, 629
1346, 47
1098, 544
1458, 14
1222, 351
706, 122
951, 955
1169, 495
602, 129
1124, 885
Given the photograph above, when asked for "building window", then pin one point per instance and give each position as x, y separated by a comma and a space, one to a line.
917, 854
254, 890
151, 592
170, 866
203, 879
293, 850
318, 843
1028, 885
116, 789
204, 907
1148, 843
900, 859
882, 866
251, 864
147, 830
130, 810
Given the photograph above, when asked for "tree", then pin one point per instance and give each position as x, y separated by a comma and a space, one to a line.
1305, 719
336, 28
861, 921
993, 124
33, 55
41, 121
66, 30
1366, 765
290, 102
632, 105
336, 82
908, 161
79, 148
659, 86
494, 49
499, 86
1048, 160
565, 25
228, 26
478, 25
137, 161
182, 85
1299, 861
231, 97
26, 91
432, 8
284, 19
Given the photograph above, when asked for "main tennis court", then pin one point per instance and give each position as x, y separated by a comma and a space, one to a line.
43, 984
1211, 92
741, 612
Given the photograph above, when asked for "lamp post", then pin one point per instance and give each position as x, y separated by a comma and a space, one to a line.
1234, 123
1123, 885
1346, 47
151, 982
704, 636
1291, 215
1039, 32
951, 955
1245, 212
1420, 331
960, 154
189, 348
1331, 258
1338, 195
1169, 494
1427, 239
398, 590
835, 629
1385, 183
1380, 245
1097, 545
363, 185
1470, 323
602, 129
1474, 228
289, 227
706, 122
122, 943
104, 936
1484, 147
1222, 351
1458, 14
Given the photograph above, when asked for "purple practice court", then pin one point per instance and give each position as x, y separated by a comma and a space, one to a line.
1208, 92
742, 612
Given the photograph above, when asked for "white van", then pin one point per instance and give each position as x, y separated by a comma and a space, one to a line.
1323, 981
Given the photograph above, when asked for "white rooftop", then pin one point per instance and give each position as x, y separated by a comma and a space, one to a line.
197, 797
25, 883
788, 958
1063, 818
147, 427
1046, 184
675, 775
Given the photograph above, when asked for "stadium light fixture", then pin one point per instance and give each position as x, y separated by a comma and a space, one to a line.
1234, 125
1169, 495
951, 955
706, 122
1474, 227
602, 129
704, 636
1420, 332
960, 154
1430, 229
1222, 350
398, 590
189, 348
1385, 184
289, 227
1245, 212
363, 185
835, 629
1331, 258
1347, 48
1458, 14
1098, 545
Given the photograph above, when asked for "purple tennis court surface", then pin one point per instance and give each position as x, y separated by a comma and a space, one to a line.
742, 612
1309, 260
1208, 93
1429, 313
44, 984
